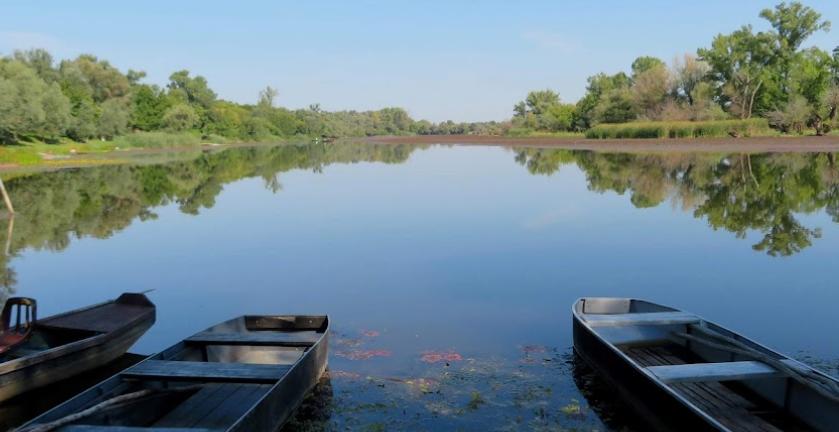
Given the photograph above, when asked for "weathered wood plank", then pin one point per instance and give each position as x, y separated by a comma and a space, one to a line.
234, 407
722, 403
207, 371
194, 408
651, 318
727, 371
265, 338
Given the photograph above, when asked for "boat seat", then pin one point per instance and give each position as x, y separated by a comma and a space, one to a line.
265, 338
636, 319
207, 371
704, 372
24, 312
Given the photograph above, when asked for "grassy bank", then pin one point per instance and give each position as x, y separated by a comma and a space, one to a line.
35, 152
682, 129
527, 132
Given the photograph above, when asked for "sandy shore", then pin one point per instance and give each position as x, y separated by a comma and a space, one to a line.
804, 144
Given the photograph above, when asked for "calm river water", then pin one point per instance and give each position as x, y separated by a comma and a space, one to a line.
448, 272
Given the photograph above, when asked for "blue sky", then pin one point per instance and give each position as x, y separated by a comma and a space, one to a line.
439, 59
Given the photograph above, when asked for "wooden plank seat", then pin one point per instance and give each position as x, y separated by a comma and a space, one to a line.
285, 339
638, 319
706, 372
207, 371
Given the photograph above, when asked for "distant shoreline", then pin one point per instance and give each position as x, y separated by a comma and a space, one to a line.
803, 144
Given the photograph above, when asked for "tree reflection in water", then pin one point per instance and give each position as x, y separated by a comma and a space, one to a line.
736, 192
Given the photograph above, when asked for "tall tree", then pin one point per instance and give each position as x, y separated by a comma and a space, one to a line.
793, 24
689, 72
739, 65
192, 90
645, 63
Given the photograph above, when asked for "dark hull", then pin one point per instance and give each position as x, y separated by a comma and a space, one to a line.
246, 374
654, 404
281, 402
42, 369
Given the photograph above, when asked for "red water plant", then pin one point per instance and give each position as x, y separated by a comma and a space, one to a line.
437, 356
363, 354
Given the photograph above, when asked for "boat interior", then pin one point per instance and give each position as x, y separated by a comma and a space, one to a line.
44, 338
208, 381
741, 384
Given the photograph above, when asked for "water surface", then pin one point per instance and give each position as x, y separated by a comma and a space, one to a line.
448, 272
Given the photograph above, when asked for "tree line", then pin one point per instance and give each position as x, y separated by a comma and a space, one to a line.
88, 98
743, 74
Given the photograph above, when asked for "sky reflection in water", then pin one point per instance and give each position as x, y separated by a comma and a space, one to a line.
467, 256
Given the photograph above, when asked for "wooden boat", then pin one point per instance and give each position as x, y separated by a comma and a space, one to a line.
680, 372
246, 374
65, 345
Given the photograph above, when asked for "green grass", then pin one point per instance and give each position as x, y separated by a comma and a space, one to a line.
34, 152
527, 133
682, 129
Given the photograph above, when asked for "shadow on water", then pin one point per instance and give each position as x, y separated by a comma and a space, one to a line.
603, 400
315, 411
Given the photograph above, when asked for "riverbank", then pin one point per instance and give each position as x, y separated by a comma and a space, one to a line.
785, 144
68, 153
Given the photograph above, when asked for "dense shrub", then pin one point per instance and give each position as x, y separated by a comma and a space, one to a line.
681, 129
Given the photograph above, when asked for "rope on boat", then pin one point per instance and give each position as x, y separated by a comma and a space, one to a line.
822, 385
101, 406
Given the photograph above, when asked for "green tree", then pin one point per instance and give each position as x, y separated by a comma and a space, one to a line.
689, 73
114, 118
644, 64
104, 80
148, 105
192, 90
180, 117
616, 106
598, 87
793, 24
809, 77
740, 68
57, 118
40, 61
650, 90
28, 105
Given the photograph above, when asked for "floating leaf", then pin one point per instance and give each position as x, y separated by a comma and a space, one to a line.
436, 357
363, 354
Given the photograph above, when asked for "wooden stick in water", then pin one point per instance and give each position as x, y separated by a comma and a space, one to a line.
6, 198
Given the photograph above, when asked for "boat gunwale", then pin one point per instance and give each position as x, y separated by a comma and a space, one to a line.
114, 379
92, 341
649, 375
306, 354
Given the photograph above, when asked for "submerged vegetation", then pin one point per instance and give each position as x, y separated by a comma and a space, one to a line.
742, 75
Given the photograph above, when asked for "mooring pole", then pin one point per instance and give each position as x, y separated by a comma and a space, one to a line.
6, 198
9, 233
